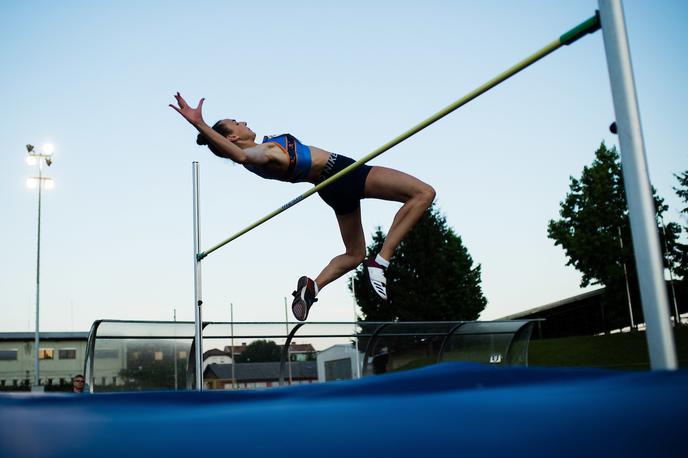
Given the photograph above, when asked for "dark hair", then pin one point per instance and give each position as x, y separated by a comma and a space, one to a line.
218, 127
78, 375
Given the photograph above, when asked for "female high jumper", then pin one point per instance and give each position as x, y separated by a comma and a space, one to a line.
284, 158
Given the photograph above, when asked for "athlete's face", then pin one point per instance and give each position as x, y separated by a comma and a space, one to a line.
239, 129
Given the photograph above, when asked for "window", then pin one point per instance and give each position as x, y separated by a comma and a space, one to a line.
67, 353
114, 380
8, 355
46, 353
104, 382
50, 381
182, 354
2, 383
14, 382
339, 369
107, 353
62, 381
158, 356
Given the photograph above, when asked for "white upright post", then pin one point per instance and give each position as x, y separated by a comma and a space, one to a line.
198, 302
174, 350
641, 206
231, 351
37, 338
353, 294
286, 329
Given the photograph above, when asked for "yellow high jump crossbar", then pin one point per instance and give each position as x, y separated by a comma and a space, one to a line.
589, 26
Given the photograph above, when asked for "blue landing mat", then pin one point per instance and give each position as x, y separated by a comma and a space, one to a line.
451, 409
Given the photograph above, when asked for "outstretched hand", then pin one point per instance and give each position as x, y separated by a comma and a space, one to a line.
193, 115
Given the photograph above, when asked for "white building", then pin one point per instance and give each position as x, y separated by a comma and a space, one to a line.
61, 357
339, 362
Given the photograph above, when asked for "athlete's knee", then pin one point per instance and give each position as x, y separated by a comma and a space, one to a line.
355, 257
426, 194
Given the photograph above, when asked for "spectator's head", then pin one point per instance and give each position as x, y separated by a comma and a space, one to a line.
78, 383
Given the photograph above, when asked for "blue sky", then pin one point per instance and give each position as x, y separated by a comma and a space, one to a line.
95, 78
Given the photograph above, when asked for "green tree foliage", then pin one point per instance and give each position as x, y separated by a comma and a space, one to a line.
682, 190
430, 278
681, 252
594, 222
259, 351
144, 371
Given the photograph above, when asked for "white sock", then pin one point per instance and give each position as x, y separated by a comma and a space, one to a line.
315, 286
382, 261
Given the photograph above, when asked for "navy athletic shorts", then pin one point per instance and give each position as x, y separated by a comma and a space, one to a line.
345, 194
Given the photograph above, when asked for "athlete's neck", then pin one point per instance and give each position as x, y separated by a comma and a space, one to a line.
245, 143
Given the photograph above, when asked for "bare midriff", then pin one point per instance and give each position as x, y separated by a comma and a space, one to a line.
278, 160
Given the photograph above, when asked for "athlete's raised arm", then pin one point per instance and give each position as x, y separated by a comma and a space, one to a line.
218, 144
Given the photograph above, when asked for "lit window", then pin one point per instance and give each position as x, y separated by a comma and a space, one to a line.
182, 354
158, 356
46, 353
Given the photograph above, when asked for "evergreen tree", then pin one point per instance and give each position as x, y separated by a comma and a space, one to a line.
681, 252
260, 351
593, 226
431, 277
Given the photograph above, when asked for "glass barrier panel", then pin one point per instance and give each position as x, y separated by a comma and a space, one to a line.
403, 346
479, 348
137, 355
518, 352
140, 364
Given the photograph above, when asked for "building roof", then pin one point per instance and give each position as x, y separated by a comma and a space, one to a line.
530, 313
246, 372
29, 336
215, 352
302, 348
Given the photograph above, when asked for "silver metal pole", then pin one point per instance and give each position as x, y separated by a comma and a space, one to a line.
37, 339
353, 293
174, 350
231, 318
198, 302
286, 326
641, 206
628, 289
677, 316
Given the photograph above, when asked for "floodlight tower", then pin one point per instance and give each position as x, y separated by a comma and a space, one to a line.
38, 158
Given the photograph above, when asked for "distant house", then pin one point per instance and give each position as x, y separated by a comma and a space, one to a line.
258, 375
297, 352
215, 356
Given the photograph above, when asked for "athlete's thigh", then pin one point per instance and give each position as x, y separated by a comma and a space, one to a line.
352, 231
389, 184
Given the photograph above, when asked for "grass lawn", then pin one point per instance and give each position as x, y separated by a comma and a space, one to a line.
615, 351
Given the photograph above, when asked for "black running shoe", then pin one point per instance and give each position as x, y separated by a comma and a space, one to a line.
304, 298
